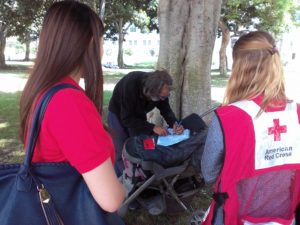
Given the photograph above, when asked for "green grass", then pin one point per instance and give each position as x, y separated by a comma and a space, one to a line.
106, 97
11, 148
18, 70
10, 145
9, 108
143, 65
11, 151
218, 81
113, 74
142, 217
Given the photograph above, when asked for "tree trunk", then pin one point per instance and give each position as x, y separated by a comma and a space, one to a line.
2, 45
187, 36
102, 9
91, 3
222, 53
121, 39
27, 46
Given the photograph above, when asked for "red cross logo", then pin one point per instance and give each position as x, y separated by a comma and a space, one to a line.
276, 130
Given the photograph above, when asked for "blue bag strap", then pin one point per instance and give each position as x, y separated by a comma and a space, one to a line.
37, 120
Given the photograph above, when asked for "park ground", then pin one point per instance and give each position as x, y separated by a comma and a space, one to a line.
13, 79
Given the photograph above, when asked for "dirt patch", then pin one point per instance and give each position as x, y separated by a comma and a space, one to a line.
11, 151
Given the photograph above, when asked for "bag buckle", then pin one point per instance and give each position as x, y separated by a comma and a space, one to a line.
44, 194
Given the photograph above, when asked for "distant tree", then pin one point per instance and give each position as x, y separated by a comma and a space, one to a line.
121, 14
18, 18
266, 15
29, 21
102, 8
7, 19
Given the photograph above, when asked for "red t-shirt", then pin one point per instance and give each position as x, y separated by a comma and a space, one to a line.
72, 131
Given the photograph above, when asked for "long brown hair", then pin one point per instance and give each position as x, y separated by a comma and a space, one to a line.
69, 42
256, 70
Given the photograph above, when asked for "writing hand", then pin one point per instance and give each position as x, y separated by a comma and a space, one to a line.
178, 128
160, 130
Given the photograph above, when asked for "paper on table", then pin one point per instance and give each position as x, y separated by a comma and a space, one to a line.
173, 138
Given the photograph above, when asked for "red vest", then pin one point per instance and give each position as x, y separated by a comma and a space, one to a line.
260, 178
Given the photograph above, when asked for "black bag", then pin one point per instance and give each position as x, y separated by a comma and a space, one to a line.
47, 193
145, 146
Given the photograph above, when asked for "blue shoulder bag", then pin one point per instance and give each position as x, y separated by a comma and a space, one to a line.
51, 193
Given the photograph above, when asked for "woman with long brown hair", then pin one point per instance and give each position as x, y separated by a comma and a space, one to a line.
70, 48
252, 151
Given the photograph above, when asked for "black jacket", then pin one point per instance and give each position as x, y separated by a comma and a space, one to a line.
131, 106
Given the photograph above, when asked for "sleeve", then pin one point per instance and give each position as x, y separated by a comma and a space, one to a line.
213, 154
76, 126
166, 112
131, 112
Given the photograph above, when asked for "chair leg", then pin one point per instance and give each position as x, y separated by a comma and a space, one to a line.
174, 195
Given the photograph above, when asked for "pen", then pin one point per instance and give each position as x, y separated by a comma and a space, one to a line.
178, 124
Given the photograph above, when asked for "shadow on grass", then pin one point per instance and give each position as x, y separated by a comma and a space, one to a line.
113, 76
143, 65
11, 149
20, 70
142, 217
219, 81
17, 65
114, 73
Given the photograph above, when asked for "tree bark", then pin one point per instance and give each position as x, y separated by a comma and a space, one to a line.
2, 45
27, 46
223, 66
187, 36
102, 9
120, 40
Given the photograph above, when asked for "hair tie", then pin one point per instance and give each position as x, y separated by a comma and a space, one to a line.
273, 50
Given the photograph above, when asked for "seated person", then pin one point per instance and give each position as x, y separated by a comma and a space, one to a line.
134, 96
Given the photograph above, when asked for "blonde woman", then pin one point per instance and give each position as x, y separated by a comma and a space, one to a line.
252, 152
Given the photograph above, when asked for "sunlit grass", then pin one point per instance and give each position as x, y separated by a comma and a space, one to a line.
16, 70
14, 74
4, 142
3, 125
219, 81
10, 145
11, 149
113, 73
142, 65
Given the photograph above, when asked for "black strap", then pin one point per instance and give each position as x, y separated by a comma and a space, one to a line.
37, 120
220, 197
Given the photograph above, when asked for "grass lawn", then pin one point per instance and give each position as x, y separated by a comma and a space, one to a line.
11, 149
143, 65
10, 145
17, 69
218, 81
142, 217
